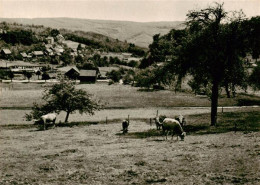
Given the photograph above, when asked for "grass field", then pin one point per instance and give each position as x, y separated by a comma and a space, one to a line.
114, 96
84, 153
100, 154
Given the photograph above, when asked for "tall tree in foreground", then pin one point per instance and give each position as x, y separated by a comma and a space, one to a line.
64, 96
211, 52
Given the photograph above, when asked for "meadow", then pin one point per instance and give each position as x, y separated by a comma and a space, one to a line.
22, 95
89, 150
119, 101
100, 154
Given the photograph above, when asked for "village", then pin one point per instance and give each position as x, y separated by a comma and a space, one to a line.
63, 57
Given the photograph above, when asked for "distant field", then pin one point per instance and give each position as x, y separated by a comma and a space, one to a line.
113, 96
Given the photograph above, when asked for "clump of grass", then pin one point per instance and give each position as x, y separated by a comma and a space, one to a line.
152, 181
140, 163
71, 124
248, 100
145, 134
200, 124
19, 126
230, 121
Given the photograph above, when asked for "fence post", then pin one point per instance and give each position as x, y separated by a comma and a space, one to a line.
222, 109
106, 120
157, 113
150, 121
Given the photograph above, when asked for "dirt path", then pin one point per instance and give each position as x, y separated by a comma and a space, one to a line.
98, 154
14, 116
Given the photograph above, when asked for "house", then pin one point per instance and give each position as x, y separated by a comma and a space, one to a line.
63, 70
126, 56
24, 55
37, 53
20, 66
6, 53
88, 76
58, 49
48, 46
50, 40
134, 59
49, 52
60, 37
73, 73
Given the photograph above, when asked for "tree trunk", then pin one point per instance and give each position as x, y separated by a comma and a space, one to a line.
214, 103
227, 91
233, 91
67, 117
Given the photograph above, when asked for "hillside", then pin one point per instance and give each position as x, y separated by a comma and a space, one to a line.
133, 32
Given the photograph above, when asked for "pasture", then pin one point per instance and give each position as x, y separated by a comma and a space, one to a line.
100, 154
84, 153
20, 95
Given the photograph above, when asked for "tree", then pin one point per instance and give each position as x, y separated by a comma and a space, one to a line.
213, 49
64, 96
38, 73
28, 75
45, 76
252, 27
54, 32
11, 75
254, 78
210, 50
114, 75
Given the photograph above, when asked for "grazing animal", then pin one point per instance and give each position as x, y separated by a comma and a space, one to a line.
158, 121
173, 126
125, 125
181, 120
51, 117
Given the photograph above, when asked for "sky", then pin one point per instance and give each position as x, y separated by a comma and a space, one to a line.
126, 10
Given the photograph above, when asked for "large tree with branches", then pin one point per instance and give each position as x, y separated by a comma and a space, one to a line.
64, 96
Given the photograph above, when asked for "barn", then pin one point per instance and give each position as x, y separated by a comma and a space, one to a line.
73, 73
88, 76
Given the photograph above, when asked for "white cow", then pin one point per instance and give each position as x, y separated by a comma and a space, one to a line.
51, 117
173, 126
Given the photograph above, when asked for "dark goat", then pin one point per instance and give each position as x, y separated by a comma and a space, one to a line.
125, 125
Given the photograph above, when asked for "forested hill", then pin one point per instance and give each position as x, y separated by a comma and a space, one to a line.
140, 34
17, 33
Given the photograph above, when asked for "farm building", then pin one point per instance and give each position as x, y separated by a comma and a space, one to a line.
63, 70
73, 73
24, 55
5, 53
20, 66
60, 37
88, 76
126, 56
37, 53
50, 40
49, 52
